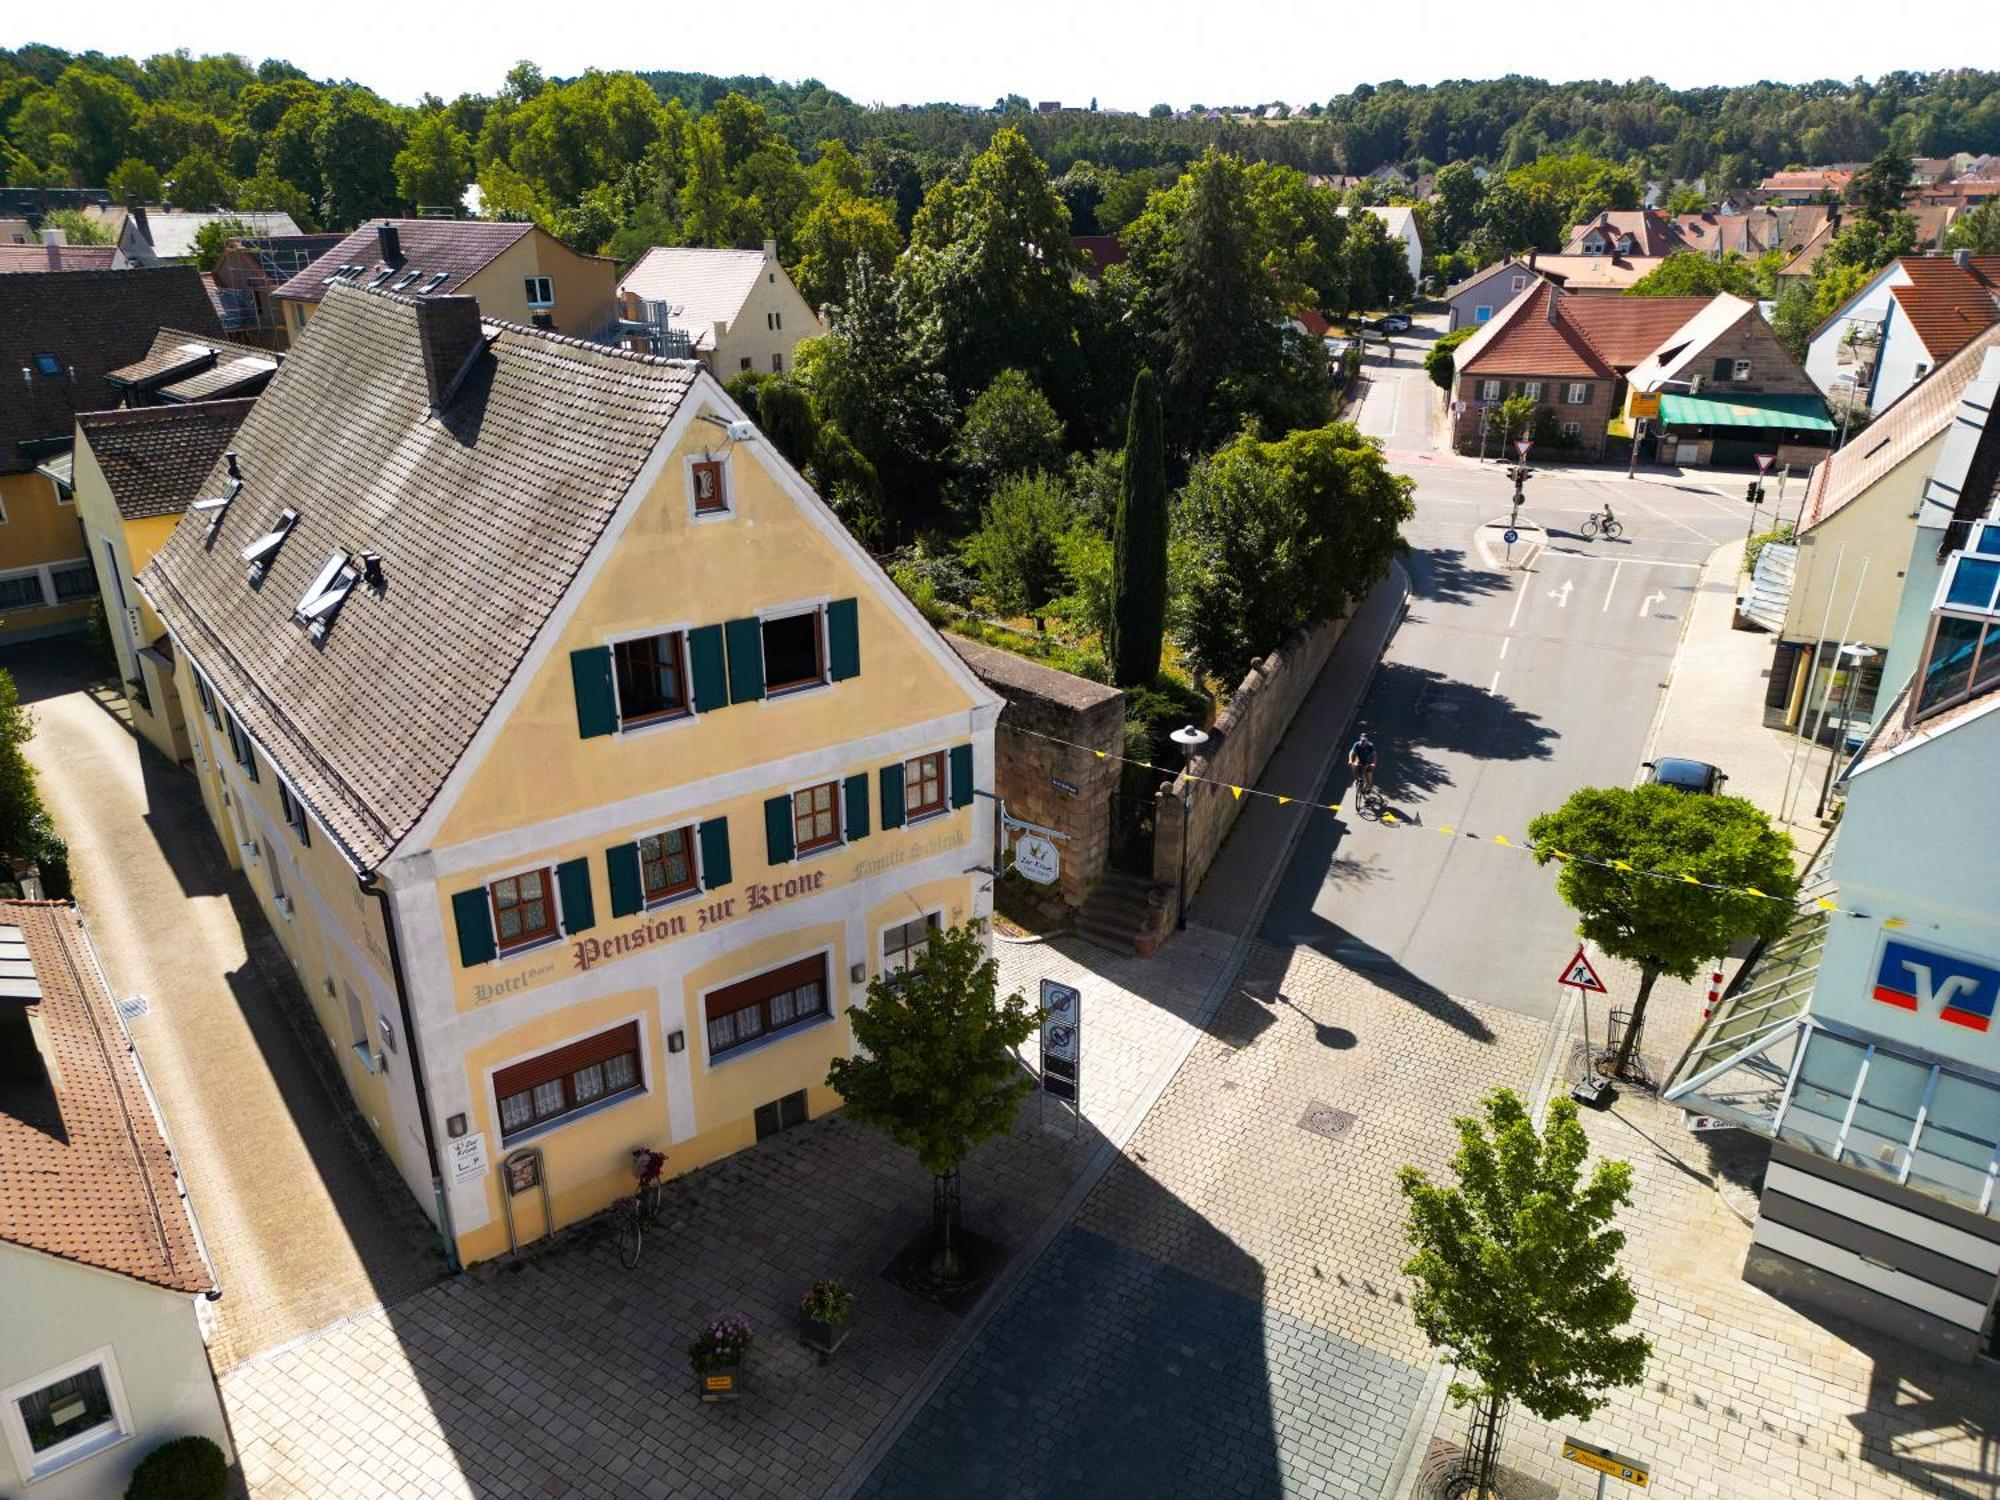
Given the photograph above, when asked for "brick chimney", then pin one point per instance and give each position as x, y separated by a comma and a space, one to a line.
449, 333
1550, 310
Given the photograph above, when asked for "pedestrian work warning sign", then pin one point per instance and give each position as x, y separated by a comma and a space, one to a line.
1579, 974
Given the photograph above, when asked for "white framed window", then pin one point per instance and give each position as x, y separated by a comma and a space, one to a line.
1740, 370
1520, 282
649, 675
904, 943
708, 485
774, 320
1572, 429
65, 1415
1576, 394
1532, 389
795, 650
541, 291
1489, 390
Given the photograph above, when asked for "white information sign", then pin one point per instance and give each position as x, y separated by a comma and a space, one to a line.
468, 1157
1036, 858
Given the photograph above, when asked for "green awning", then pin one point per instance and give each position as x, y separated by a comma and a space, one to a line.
1794, 413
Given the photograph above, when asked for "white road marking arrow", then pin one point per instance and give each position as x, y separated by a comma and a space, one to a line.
1561, 595
1646, 604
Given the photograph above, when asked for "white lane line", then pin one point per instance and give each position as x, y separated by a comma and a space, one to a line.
1605, 608
1641, 562
1672, 520
1520, 598
1505, 642
1494, 686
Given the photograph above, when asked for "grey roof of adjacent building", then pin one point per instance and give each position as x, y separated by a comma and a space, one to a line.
482, 513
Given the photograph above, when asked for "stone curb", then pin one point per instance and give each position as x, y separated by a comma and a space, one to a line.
1112, 1147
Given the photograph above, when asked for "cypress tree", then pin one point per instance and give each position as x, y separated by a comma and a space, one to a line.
1139, 541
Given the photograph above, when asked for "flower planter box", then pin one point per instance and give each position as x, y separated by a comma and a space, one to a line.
719, 1382
825, 1337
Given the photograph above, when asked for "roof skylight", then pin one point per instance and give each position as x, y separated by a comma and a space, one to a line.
325, 594
260, 552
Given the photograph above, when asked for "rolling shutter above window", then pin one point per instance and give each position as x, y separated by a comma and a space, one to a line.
746, 660
843, 640
565, 1060
961, 775
596, 708
891, 778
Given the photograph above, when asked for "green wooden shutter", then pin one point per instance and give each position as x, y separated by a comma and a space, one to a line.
778, 829
573, 880
596, 708
857, 806
843, 640
475, 926
621, 863
961, 775
715, 871
746, 660
711, 679
891, 778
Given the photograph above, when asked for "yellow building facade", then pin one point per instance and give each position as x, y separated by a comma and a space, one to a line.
728, 775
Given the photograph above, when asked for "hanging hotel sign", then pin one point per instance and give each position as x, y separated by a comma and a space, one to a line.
1035, 857
1938, 985
468, 1157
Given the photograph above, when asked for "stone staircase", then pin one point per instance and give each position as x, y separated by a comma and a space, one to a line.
1126, 914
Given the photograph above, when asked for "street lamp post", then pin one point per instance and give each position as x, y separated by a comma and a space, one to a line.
1190, 739
1856, 654
1638, 437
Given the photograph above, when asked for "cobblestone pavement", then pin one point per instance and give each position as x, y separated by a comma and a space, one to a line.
567, 1377
1746, 1396
302, 1214
1227, 1314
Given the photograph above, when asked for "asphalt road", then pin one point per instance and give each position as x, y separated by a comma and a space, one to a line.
1505, 690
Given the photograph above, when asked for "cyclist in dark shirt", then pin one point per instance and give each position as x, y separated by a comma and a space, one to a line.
1361, 761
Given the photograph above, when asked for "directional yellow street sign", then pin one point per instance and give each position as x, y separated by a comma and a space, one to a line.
1604, 1461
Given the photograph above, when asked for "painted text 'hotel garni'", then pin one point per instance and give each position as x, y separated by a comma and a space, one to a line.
584, 764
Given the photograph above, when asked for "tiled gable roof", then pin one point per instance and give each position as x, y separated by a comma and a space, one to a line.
89, 322
1909, 422
1651, 232
458, 248
1626, 330
85, 1170
1500, 267
481, 513
1949, 304
18, 258
155, 458
706, 287
1547, 332
1677, 350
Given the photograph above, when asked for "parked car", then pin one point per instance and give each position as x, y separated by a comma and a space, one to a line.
1696, 776
1393, 323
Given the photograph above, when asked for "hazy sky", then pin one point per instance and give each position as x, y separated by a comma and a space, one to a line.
1125, 55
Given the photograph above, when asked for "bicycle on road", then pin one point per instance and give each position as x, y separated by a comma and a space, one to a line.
642, 1208
1602, 523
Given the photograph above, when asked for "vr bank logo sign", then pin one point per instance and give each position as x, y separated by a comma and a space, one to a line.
1956, 989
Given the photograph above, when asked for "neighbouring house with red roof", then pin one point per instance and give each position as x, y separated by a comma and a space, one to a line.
102, 1267
1635, 231
1705, 371
1912, 316
1812, 185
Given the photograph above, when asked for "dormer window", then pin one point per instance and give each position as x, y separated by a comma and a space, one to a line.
1962, 657
48, 365
541, 291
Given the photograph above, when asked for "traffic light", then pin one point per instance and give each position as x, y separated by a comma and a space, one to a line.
1754, 493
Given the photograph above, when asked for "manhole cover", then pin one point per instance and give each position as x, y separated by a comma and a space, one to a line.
1324, 1119
132, 1007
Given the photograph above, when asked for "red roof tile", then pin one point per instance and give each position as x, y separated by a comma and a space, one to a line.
67, 258
85, 1170
1624, 330
1949, 304
1537, 338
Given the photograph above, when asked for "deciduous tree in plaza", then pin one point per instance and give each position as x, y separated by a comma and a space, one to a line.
1705, 854
936, 1070
1517, 1277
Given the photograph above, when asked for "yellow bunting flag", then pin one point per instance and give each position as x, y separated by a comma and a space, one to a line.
1619, 864
1828, 903
1283, 800
1236, 792
1500, 838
